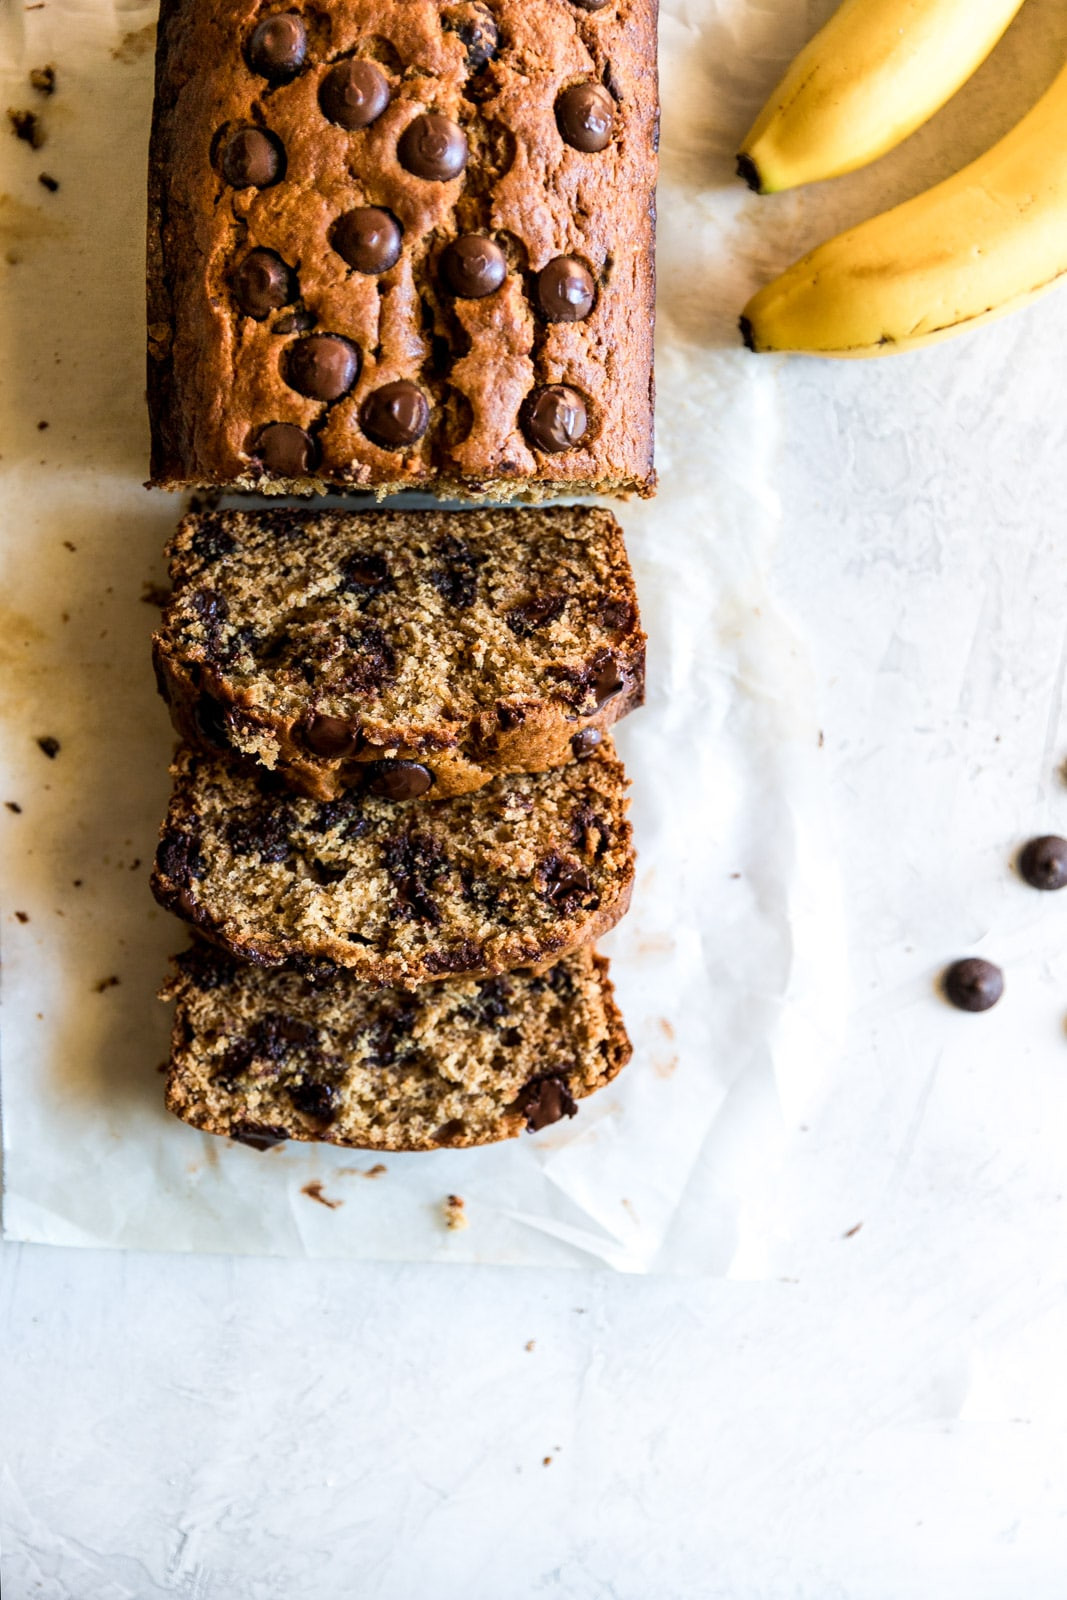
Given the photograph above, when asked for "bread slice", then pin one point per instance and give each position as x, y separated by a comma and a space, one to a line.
264, 1056
515, 874
400, 651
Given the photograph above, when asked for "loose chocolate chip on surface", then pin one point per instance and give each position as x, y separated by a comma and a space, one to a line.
286, 450
555, 418
585, 114
433, 147
323, 366
331, 737
566, 291
260, 1135
252, 159
278, 46
263, 283
49, 745
544, 1101
369, 239
473, 266
398, 780
1043, 862
584, 743
354, 93
973, 984
395, 415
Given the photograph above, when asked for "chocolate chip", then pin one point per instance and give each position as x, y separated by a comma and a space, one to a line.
456, 580
477, 30
544, 1101
616, 615
321, 1101
364, 574
466, 956
262, 831
1043, 862
326, 872
608, 681
278, 46
51, 184
395, 415
584, 743
286, 450
331, 737
212, 540
415, 861
585, 114
473, 266
49, 746
323, 366
211, 722
537, 612
260, 1135
179, 858
555, 418
369, 239
354, 93
294, 322
565, 884
398, 780
252, 159
263, 283
591, 5
973, 984
566, 290
433, 147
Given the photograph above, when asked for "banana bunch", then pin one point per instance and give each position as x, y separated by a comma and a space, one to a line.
984, 242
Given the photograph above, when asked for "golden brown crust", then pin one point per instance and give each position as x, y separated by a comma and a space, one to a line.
262, 1056
502, 640
217, 375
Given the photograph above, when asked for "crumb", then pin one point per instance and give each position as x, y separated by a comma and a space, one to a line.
105, 983
25, 125
22, 916
735, 874
50, 746
822, 738
43, 79
164, 1066
46, 180
547, 1462
377, 1171
68, 546
852, 1232
77, 883
455, 1213
667, 1026
530, 1344
64, 616
13, 805
135, 863
155, 594
41, 426
314, 1192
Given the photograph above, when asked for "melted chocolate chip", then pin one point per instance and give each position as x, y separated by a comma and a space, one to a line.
1043, 862
566, 884
331, 737
212, 541
544, 1101
973, 984
179, 858
343, 816
450, 1132
285, 450
466, 956
320, 1101
260, 1135
566, 291
477, 30
473, 266
323, 366
369, 239
415, 861
535, 613
616, 615
263, 283
354, 93
555, 418
262, 831
208, 968
211, 722
433, 147
398, 780
278, 47
584, 743
364, 574
385, 1034
252, 159
457, 579
585, 115
294, 322
395, 415
326, 872
608, 681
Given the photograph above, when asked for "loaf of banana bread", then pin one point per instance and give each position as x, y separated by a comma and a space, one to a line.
400, 243
269, 1055
514, 874
401, 652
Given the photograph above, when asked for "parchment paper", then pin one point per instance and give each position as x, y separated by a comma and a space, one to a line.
729, 967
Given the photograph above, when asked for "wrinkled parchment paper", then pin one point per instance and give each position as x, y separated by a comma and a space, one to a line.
728, 968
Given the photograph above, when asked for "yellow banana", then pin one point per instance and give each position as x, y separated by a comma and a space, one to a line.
984, 242
872, 75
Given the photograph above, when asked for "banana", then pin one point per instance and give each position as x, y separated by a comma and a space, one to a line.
871, 76
986, 241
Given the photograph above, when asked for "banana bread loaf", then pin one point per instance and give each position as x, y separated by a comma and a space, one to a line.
404, 652
514, 874
396, 243
264, 1056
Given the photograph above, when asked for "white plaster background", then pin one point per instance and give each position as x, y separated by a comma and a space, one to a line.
849, 1415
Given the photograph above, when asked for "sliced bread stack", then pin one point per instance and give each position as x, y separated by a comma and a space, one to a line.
398, 821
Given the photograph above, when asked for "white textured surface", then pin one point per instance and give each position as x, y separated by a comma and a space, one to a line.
883, 1416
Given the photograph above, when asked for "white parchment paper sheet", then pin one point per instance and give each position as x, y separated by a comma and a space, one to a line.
728, 967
